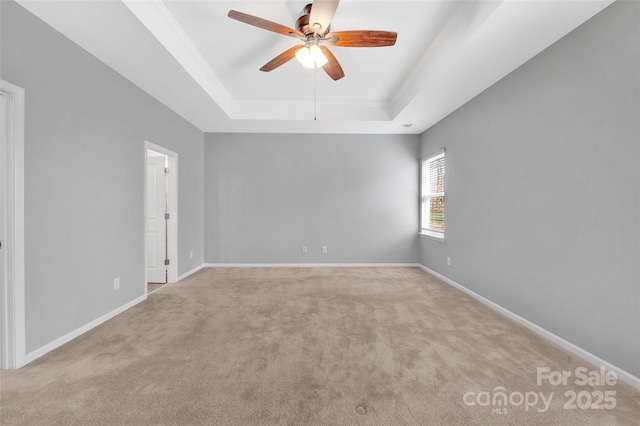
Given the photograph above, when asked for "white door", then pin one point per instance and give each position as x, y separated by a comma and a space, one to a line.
156, 248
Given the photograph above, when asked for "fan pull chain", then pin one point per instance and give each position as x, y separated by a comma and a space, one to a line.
315, 93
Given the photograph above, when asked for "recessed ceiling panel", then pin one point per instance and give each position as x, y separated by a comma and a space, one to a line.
235, 51
205, 66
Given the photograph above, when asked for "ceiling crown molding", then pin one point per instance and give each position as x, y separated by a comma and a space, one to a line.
192, 58
155, 16
310, 110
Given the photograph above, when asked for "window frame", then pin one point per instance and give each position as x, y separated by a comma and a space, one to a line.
425, 196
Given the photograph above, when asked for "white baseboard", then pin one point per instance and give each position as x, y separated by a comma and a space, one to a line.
311, 265
623, 375
32, 356
191, 272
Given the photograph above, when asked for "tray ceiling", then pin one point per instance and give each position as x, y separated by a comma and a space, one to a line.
190, 56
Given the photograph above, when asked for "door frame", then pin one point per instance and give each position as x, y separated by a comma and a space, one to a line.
13, 288
172, 209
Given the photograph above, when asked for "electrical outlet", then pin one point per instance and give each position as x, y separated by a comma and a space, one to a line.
448, 261
116, 283
324, 249
304, 249
191, 254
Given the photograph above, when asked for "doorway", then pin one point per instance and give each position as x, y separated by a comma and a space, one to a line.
12, 287
161, 242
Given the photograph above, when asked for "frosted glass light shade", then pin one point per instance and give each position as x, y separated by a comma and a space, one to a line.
317, 55
302, 54
311, 57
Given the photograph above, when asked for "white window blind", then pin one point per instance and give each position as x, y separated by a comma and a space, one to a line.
432, 197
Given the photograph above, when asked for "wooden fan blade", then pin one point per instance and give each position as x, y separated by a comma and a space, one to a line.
363, 38
263, 23
332, 67
282, 58
322, 12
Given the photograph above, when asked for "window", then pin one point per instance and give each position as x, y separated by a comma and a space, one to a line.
432, 196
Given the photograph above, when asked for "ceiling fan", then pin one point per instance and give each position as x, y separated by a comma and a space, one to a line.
313, 29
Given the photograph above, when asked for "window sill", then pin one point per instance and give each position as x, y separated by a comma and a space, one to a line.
431, 237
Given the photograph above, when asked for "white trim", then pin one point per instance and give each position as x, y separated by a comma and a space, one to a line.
191, 272
155, 16
32, 356
431, 237
310, 265
172, 237
13, 299
623, 375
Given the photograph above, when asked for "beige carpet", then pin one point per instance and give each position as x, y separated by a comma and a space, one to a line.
293, 346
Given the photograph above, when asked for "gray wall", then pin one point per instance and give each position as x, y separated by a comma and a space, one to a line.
543, 189
84, 178
268, 195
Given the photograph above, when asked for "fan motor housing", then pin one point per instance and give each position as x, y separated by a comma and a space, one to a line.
302, 24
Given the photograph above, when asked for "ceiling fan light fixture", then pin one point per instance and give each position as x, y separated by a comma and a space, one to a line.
313, 28
318, 57
311, 56
309, 63
303, 54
